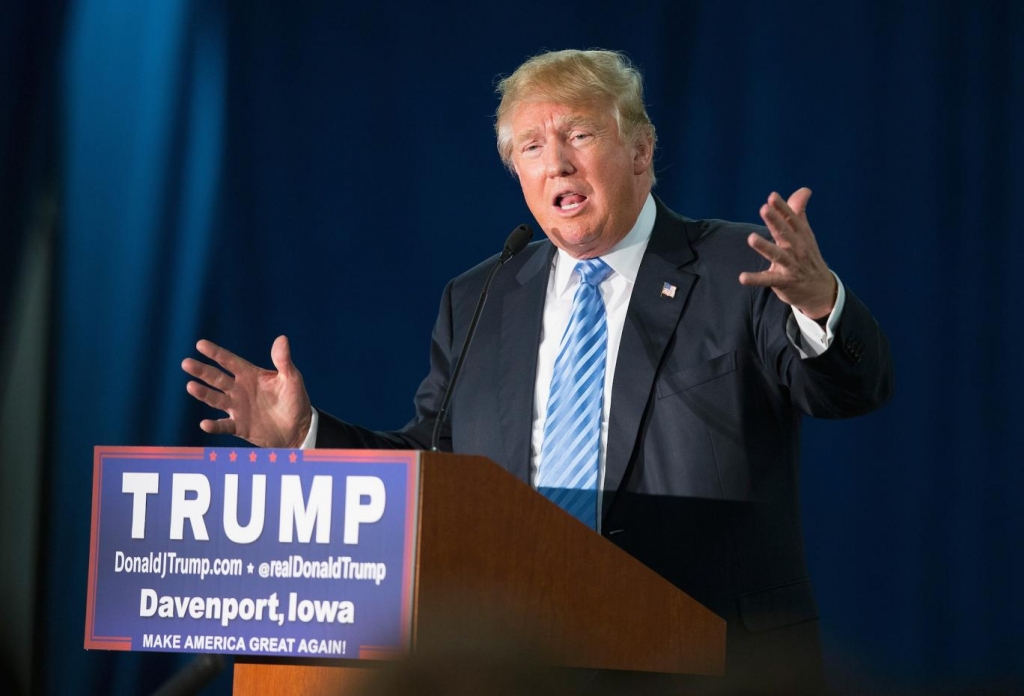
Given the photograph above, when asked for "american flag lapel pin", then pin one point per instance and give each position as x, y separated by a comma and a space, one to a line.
668, 290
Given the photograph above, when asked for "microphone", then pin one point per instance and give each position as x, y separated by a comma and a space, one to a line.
515, 243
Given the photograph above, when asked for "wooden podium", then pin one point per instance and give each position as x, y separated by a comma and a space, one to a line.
491, 546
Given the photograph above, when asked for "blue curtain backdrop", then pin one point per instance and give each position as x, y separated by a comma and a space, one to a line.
238, 170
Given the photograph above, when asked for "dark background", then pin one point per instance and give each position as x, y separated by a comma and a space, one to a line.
238, 170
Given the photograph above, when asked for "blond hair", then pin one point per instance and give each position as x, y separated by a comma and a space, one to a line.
586, 78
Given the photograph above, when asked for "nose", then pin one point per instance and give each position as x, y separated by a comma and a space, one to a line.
557, 161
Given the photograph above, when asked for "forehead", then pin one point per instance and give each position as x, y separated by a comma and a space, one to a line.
532, 117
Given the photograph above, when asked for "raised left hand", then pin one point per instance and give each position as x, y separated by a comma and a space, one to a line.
798, 274
269, 408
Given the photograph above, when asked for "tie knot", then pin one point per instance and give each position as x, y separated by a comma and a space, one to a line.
593, 271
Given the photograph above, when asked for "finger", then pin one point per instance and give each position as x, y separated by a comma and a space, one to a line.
780, 228
224, 426
207, 373
763, 279
798, 201
210, 397
779, 203
794, 216
281, 355
222, 356
771, 252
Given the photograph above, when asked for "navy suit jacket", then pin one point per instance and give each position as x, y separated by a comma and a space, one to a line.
703, 455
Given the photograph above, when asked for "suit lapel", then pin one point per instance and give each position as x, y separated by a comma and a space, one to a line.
650, 325
521, 321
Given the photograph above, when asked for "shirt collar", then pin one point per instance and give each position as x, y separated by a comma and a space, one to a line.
624, 257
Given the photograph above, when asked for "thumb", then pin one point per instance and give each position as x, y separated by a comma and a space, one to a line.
281, 355
798, 201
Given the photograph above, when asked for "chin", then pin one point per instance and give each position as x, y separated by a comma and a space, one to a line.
573, 245
574, 236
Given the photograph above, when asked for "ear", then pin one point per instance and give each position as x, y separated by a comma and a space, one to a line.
643, 151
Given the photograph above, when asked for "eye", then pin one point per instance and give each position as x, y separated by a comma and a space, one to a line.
577, 137
531, 148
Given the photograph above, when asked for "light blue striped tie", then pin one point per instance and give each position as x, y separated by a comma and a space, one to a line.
570, 453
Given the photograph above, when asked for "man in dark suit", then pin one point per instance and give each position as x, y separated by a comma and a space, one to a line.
711, 338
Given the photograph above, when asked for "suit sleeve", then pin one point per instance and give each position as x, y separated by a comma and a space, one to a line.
853, 377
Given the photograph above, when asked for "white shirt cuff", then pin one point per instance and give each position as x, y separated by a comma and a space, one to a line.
314, 424
809, 337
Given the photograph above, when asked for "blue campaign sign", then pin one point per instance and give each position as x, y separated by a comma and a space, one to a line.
253, 551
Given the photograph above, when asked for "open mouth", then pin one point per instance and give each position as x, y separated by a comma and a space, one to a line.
569, 201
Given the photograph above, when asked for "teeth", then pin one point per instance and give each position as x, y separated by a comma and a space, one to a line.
570, 206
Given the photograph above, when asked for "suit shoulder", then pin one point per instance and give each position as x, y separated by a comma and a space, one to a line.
724, 244
472, 280
705, 234
711, 231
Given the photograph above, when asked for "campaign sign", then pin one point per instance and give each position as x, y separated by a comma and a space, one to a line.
253, 551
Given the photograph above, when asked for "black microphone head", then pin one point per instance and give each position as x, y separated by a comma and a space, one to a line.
517, 241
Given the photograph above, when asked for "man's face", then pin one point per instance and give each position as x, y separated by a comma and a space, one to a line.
582, 182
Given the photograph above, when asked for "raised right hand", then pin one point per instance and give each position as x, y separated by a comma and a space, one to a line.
269, 408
